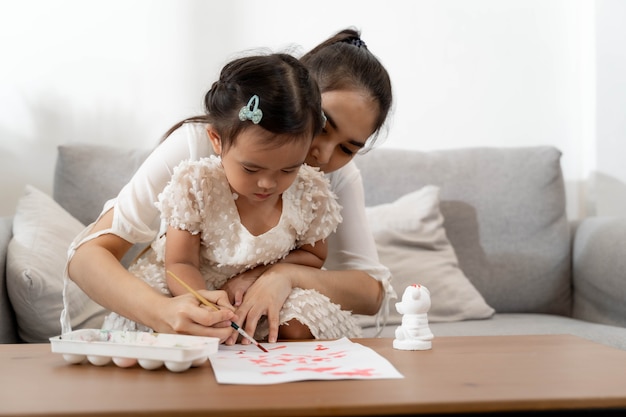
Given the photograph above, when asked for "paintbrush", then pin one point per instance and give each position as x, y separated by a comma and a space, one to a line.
213, 306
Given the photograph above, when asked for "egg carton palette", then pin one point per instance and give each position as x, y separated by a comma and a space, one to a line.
126, 348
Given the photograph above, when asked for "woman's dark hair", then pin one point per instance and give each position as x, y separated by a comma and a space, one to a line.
343, 62
288, 96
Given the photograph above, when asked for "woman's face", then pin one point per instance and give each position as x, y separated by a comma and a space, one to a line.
351, 117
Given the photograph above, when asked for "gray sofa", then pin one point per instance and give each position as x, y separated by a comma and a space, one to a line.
485, 229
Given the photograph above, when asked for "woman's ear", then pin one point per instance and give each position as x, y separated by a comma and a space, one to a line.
216, 140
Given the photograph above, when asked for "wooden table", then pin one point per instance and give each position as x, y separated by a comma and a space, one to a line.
459, 375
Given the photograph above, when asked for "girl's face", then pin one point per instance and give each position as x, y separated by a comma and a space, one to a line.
255, 171
351, 117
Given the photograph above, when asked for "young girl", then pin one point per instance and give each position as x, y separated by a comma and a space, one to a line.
356, 98
254, 203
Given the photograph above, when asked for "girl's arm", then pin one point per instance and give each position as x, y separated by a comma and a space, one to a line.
309, 255
182, 258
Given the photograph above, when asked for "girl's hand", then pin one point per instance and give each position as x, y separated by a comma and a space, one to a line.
237, 286
265, 297
184, 314
217, 297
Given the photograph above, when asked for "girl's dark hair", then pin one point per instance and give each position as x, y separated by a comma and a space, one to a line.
343, 62
288, 97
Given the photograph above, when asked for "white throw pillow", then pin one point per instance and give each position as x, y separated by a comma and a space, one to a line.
412, 243
36, 257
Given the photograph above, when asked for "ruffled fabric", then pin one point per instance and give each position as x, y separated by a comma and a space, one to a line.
198, 199
324, 319
313, 209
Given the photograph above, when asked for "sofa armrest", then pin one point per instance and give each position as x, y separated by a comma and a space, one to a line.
8, 326
599, 270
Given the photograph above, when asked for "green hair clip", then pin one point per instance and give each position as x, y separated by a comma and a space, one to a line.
251, 111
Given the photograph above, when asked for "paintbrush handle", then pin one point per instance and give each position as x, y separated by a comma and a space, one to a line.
194, 292
247, 336
242, 332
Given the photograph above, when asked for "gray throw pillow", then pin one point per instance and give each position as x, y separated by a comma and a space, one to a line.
36, 259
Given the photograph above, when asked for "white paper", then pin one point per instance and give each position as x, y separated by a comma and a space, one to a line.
299, 361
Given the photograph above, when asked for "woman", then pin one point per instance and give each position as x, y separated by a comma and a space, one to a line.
356, 99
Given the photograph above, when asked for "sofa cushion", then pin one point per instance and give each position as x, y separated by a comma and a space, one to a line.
86, 176
36, 258
504, 211
412, 243
598, 277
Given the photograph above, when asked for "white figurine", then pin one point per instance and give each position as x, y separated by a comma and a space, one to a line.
414, 333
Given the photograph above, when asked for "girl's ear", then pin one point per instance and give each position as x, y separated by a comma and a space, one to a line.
216, 140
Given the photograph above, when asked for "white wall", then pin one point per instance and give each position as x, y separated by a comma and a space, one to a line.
608, 180
465, 73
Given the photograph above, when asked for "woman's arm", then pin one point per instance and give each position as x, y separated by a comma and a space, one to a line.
95, 267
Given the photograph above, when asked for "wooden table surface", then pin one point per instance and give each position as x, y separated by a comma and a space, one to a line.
458, 375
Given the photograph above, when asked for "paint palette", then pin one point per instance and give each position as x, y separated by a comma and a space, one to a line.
126, 348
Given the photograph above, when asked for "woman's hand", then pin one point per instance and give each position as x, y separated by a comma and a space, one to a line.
237, 286
265, 297
186, 315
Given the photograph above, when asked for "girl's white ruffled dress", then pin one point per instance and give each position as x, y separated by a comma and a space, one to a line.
199, 199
